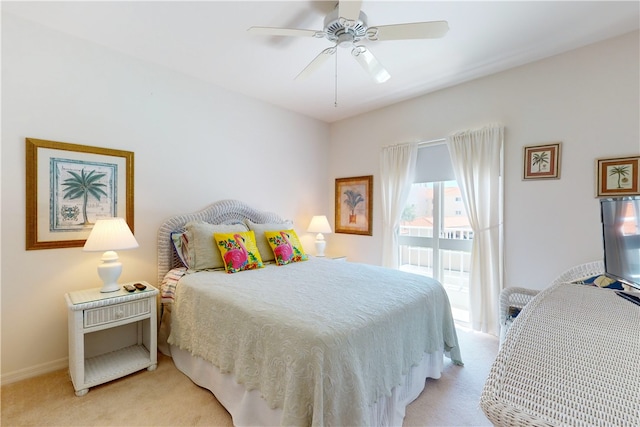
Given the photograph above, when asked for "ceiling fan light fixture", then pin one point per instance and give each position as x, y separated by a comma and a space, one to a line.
370, 63
345, 40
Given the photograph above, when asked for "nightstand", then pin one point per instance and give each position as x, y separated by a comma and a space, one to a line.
110, 335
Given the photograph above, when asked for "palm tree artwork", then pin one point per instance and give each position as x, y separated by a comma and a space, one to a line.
540, 159
622, 173
352, 200
84, 185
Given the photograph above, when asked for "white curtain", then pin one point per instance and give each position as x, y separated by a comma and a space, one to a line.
477, 161
397, 169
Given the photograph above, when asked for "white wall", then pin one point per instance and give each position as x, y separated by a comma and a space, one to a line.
193, 144
587, 98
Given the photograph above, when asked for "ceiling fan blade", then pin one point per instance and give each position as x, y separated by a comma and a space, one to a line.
349, 9
289, 32
316, 63
370, 64
416, 30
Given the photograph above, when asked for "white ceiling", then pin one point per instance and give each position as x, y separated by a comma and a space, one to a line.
208, 40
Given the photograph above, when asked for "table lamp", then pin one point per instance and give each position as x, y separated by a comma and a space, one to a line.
109, 235
319, 224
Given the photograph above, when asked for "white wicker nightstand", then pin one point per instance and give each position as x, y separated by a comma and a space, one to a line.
110, 335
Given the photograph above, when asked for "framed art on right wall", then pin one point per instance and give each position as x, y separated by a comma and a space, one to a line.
618, 176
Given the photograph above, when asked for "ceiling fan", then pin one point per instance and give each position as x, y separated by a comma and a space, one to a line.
347, 26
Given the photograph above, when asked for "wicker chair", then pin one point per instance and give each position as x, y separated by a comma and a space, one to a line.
512, 300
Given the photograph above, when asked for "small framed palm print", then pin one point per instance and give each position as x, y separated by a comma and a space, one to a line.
542, 161
618, 176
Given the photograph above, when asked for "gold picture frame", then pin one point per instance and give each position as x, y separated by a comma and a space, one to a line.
541, 161
60, 210
354, 205
618, 176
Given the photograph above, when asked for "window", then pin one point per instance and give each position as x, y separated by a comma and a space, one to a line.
435, 235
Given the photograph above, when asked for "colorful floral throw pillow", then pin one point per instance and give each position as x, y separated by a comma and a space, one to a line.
285, 246
238, 251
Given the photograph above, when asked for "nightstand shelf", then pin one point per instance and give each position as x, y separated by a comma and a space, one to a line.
110, 335
116, 364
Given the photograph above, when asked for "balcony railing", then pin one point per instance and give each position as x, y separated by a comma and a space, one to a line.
448, 233
416, 256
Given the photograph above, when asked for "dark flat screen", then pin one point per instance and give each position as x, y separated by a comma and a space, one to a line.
621, 238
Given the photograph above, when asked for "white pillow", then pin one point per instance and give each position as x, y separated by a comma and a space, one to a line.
266, 253
203, 253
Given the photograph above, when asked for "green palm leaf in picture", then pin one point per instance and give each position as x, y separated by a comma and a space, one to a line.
622, 173
84, 185
540, 159
352, 200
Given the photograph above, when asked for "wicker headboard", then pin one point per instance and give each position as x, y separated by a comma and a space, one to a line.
222, 212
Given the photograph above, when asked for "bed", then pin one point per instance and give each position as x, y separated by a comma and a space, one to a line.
312, 342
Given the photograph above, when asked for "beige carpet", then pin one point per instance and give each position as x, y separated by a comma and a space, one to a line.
166, 397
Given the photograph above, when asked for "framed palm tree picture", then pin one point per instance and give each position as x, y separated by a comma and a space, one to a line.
618, 176
69, 187
354, 205
542, 161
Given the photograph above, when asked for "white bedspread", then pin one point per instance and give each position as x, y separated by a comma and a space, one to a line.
320, 339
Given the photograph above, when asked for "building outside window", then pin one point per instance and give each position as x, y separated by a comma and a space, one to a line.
435, 235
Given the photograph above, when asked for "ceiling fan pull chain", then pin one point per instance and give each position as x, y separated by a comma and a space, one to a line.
335, 96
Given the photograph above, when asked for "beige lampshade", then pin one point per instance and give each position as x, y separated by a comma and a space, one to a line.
319, 224
110, 234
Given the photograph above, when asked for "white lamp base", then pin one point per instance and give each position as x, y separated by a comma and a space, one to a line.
109, 271
320, 245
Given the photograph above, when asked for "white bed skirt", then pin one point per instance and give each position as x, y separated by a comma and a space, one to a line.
247, 408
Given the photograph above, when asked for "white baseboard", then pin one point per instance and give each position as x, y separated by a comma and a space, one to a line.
34, 371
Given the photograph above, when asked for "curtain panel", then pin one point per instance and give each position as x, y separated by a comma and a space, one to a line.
397, 170
477, 161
